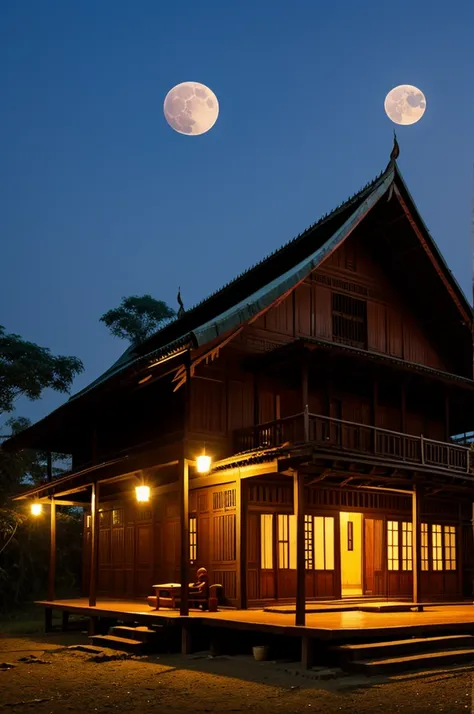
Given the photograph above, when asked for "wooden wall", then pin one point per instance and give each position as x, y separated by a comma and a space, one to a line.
139, 544
307, 312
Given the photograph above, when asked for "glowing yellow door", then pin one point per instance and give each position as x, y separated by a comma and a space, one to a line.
351, 553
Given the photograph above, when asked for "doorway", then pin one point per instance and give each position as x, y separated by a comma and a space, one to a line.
351, 554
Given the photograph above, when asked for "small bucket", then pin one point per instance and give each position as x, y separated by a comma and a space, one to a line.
260, 653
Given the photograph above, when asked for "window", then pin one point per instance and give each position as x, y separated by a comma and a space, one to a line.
286, 541
349, 320
350, 535
450, 547
308, 543
192, 539
407, 550
117, 517
425, 564
266, 541
436, 547
323, 543
392, 545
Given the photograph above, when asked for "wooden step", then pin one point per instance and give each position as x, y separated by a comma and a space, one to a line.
140, 634
427, 660
371, 650
122, 644
399, 607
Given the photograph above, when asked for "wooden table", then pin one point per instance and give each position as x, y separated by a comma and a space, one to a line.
168, 592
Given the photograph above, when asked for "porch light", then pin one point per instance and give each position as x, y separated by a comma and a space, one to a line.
36, 509
203, 463
142, 493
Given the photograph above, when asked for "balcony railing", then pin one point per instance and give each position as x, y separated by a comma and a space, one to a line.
339, 435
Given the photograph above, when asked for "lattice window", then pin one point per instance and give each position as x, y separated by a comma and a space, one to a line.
323, 542
450, 547
223, 499
393, 561
266, 541
117, 517
425, 563
349, 320
308, 543
436, 547
286, 541
104, 519
407, 549
192, 539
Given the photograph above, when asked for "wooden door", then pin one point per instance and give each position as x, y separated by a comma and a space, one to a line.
374, 574
267, 556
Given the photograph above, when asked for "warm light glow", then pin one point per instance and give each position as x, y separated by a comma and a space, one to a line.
203, 464
36, 509
142, 493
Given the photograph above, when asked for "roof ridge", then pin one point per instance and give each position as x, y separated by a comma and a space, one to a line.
341, 206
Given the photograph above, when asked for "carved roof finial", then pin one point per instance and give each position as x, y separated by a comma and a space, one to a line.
396, 149
181, 310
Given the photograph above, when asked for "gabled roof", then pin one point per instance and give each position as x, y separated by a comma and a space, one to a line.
259, 286
268, 281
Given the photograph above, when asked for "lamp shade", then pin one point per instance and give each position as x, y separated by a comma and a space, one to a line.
203, 463
36, 509
142, 493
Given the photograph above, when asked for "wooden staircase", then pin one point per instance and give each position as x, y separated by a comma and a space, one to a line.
395, 656
134, 640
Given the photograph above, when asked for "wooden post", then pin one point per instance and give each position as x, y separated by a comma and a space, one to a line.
298, 498
184, 496
241, 543
404, 408
52, 552
416, 543
305, 398
184, 519
446, 417
94, 560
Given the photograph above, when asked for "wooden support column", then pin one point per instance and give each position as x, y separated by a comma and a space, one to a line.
447, 417
404, 408
416, 542
184, 498
94, 559
52, 552
184, 520
305, 397
241, 543
298, 499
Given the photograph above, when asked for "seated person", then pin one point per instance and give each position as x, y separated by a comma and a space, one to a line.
200, 589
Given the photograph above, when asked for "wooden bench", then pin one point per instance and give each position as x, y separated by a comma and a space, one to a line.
169, 595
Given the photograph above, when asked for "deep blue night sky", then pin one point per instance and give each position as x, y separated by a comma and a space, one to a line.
99, 198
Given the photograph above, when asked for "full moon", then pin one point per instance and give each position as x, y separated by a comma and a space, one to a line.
405, 104
191, 108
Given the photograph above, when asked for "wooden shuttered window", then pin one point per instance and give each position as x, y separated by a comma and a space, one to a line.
349, 320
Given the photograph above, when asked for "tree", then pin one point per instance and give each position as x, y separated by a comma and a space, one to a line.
27, 369
136, 318
24, 541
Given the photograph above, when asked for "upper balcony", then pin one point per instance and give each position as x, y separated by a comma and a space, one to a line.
344, 437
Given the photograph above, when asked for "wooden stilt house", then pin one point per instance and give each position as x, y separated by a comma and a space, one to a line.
329, 384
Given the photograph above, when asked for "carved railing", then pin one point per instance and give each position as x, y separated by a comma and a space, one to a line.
349, 436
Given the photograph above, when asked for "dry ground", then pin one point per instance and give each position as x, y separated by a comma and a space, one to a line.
57, 680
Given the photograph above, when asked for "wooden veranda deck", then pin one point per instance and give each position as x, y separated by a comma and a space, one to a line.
323, 625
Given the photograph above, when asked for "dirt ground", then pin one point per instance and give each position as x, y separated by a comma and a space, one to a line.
49, 677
